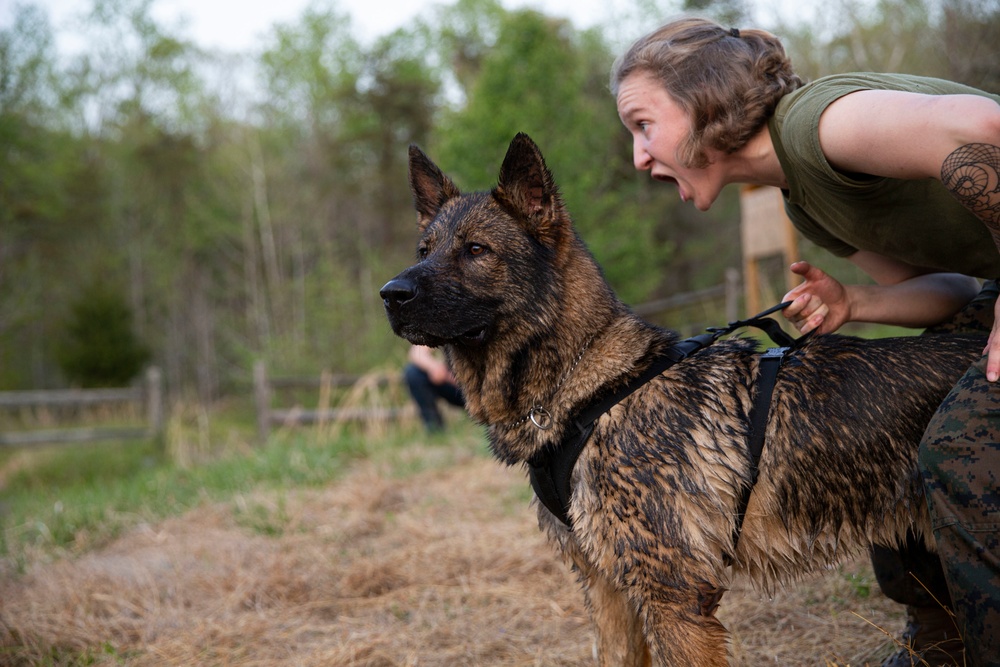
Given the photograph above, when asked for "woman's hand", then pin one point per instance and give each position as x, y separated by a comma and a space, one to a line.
992, 349
819, 303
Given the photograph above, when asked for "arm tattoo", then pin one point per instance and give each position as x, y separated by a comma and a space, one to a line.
972, 174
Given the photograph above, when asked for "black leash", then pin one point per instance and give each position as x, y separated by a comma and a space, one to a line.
550, 470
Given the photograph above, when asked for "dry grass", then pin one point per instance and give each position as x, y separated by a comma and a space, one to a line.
442, 567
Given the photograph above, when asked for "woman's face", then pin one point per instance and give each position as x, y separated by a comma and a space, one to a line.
658, 126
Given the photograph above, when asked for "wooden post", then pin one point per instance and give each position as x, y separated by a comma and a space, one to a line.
765, 230
323, 407
262, 399
751, 286
154, 401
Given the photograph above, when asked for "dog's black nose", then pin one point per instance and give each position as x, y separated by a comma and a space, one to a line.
397, 292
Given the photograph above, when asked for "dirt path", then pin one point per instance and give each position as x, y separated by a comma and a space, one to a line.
444, 567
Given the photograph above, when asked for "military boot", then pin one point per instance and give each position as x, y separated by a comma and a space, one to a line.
930, 640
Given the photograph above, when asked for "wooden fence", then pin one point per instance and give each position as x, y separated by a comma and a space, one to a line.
149, 394
729, 291
391, 405
393, 401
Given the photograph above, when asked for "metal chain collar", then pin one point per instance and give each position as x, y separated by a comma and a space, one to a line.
538, 415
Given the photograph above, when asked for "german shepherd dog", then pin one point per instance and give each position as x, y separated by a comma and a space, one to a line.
533, 332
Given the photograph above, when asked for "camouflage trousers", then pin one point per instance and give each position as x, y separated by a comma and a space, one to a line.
960, 463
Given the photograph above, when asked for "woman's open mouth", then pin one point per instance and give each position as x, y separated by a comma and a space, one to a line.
663, 178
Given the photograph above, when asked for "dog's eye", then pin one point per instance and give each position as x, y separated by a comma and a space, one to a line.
422, 252
475, 249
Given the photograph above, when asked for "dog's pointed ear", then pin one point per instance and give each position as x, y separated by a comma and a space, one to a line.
527, 189
430, 187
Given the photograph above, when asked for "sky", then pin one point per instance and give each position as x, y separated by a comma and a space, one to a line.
236, 25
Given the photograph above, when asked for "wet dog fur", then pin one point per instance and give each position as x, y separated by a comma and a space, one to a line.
506, 286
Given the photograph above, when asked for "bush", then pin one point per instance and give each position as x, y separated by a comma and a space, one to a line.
100, 347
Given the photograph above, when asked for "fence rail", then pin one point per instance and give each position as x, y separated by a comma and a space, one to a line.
59, 397
150, 394
729, 290
303, 416
265, 388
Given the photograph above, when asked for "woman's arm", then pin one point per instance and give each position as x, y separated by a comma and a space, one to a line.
904, 135
953, 138
904, 296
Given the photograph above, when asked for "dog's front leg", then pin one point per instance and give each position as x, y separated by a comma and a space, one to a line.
617, 626
620, 639
683, 629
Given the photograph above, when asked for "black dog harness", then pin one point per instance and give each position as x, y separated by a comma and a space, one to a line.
551, 469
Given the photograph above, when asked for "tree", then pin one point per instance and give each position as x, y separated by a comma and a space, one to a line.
99, 347
545, 78
332, 171
971, 33
41, 167
461, 36
402, 97
951, 39
236, 232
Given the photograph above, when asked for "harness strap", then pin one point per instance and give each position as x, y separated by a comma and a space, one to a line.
770, 361
551, 469
765, 324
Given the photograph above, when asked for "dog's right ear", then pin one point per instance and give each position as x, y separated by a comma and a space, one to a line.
430, 187
526, 188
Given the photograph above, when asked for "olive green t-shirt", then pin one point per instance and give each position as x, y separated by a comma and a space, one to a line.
916, 221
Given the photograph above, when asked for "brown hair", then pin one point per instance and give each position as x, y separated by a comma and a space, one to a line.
728, 81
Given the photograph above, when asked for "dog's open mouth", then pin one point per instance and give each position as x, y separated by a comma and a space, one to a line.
474, 336
420, 336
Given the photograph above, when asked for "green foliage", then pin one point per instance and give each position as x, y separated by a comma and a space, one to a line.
100, 348
463, 34
542, 77
260, 223
726, 12
530, 68
26, 62
309, 66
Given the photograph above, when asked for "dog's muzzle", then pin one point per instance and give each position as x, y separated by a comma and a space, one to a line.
413, 316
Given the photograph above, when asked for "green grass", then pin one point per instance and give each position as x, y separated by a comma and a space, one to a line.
73, 498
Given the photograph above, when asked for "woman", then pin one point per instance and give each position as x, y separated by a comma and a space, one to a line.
897, 173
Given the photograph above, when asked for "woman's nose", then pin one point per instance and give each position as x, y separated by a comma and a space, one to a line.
640, 158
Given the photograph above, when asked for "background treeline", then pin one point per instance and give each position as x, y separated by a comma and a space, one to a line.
199, 210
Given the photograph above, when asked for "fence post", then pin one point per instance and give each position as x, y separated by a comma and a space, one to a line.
154, 401
262, 399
